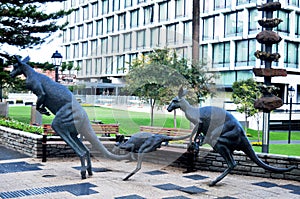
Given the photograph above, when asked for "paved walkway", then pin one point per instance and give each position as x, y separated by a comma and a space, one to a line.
27, 178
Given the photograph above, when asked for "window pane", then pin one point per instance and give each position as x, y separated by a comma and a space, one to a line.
253, 20
94, 47
134, 18
141, 39
154, 38
291, 59
110, 24
116, 5
120, 64
187, 31
127, 41
104, 45
148, 15
121, 24
84, 49
76, 51
163, 11
115, 43
179, 7
99, 27
283, 26
90, 29
98, 67
109, 65
95, 9
80, 32
104, 6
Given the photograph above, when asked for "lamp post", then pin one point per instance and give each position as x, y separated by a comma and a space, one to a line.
56, 60
291, 92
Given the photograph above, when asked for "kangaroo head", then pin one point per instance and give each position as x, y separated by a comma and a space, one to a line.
176, 101
18, 69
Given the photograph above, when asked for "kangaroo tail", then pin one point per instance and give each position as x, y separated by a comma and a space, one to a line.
172, 138
97, 144
248, 150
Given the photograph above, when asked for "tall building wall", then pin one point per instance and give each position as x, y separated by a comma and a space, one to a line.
104, 35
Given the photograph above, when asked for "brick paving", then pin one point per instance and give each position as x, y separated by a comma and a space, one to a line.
23, 177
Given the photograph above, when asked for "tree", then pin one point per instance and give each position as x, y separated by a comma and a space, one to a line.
23, 24
245, 92
157, 77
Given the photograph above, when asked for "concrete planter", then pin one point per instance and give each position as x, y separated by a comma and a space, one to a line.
3, 109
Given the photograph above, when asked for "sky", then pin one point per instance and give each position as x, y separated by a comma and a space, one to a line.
41, 53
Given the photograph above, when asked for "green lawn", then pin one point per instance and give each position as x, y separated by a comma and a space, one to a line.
130, 122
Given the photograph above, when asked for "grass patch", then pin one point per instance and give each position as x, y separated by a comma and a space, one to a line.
283, 149
274, 135
129, 121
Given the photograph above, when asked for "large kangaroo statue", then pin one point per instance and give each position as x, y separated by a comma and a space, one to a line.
70, 118
144, 142
222, 131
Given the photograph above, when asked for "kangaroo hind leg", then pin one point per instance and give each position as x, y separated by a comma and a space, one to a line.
227, 155
68, 136
86, 157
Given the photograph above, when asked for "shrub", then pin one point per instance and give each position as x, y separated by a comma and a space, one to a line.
20, 126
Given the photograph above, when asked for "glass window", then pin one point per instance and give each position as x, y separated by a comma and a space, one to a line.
85, 13
128, 3
105, 6
244, 55
163, 11
65, 35
110, 24
283, 26
221, 54
99, 25
241, 2
88, 67
95, 9
90, 29
291, 60
84, 49
187, 31
140, 39
148, 15
154, 36
109, 65
120, 64
297, 31
104, 45
116, 5
172, 34
134, 18
98, 66
234, 24
72, 34
179, 8
68, 52
132, 57
80, 32
76, 51
220, 4
79, 65
115, 43
206, 5
127, 41
253, 20
77, 15
121, 19
203, 53
293, 2
94, 47
210, 27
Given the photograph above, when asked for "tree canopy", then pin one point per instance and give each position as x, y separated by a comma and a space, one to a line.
24, 24
158, 75
245, 92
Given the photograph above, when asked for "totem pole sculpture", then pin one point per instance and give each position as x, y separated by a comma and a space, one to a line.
267, 37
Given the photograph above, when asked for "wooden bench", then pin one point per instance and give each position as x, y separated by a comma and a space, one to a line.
105, 132
166, 131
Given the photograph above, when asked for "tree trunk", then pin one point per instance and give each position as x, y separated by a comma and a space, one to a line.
152, 104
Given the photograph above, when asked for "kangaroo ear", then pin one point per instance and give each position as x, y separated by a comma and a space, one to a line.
18, 59
180, 92
26, 59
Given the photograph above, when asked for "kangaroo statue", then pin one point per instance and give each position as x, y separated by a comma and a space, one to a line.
222, 131
70, 118
144, 142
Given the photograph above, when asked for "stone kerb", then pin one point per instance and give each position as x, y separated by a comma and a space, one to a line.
24, 142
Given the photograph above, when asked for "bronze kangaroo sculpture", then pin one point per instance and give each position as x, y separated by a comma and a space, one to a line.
222, 131
70, 118
144, 142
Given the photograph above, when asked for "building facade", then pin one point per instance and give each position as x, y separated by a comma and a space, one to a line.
103, 36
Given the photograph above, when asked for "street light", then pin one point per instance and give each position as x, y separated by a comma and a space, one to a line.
291, 92
56, 60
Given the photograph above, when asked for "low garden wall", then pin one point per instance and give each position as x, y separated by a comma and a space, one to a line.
31, 144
